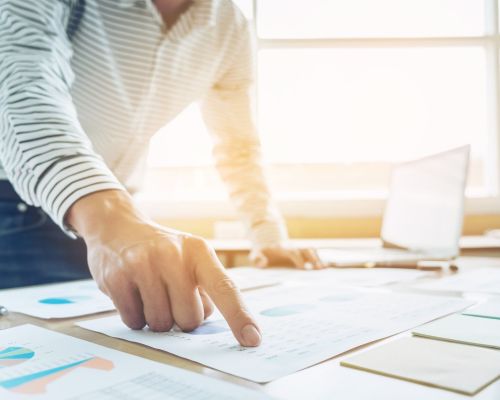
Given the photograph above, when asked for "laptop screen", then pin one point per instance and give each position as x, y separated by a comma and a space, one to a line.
424, 211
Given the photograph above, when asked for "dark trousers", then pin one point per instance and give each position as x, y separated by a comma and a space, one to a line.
33, 249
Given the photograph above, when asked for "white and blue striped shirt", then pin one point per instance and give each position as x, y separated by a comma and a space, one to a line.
77, 111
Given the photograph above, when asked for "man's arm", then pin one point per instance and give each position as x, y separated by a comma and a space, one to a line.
227, 112
43, 149
154, 276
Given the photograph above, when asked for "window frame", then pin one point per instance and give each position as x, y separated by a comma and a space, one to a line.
371, 204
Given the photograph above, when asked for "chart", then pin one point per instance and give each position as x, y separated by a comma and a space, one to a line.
36, 383
301, 326
61, 300
211, 328
12, 356
286, 310
58, 367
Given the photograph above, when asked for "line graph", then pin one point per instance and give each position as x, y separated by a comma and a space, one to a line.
36, 382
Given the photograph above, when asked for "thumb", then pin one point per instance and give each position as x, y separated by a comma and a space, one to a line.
258, 259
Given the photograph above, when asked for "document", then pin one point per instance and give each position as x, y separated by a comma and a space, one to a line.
250, 277
456, 367
60, 300
39, 364
459, 328
301, 326
481, 280
489, 309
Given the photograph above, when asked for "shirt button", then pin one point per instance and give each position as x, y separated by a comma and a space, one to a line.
21, 207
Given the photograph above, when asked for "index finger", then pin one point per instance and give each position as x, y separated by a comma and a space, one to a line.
210, 275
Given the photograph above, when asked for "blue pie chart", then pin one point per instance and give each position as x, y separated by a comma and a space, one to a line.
63, 300
283, 311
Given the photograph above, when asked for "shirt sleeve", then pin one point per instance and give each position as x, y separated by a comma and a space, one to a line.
43, 148
228, 114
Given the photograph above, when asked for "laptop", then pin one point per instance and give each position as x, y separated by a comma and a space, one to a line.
423, 215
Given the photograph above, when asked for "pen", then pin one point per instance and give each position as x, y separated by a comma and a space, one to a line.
421, 265
3, 311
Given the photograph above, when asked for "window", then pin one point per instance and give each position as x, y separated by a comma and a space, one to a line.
346, 88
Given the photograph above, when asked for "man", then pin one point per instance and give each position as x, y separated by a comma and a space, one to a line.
84, 84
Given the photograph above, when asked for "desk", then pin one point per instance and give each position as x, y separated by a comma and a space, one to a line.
326, 380
229, 249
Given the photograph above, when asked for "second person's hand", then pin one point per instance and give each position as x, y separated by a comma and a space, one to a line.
286, 256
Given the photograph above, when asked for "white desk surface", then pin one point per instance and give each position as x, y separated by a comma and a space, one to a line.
327, 380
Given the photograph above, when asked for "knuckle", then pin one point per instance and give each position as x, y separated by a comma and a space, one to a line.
135, 256
170, 250
225, 286
112, 277
196, 243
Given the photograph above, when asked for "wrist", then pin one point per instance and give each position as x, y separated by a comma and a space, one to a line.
91, 215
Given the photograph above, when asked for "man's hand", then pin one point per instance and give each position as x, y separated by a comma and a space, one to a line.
286, 257
154, 275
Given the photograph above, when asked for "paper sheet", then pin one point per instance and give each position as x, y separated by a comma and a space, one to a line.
489, 309
249, 277
301, 327
39, 364
459, 368
62, 300
463, 329
481, 280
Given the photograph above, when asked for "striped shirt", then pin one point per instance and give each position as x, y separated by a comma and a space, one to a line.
77, 111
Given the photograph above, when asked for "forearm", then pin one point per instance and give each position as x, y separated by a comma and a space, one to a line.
243, 174
237, 153
43, 149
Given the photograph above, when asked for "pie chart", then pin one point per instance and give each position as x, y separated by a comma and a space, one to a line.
11, 356
62, 300
283, 311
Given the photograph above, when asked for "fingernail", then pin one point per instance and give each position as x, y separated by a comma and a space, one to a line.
308, 265
251, 336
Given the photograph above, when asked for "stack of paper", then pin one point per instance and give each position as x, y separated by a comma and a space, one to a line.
463, 329
489, 309
459, 368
